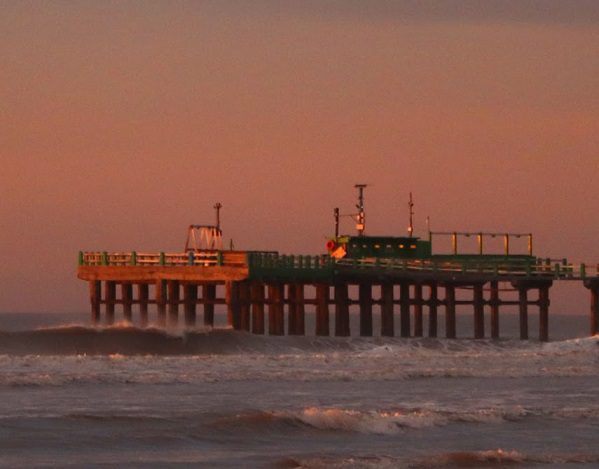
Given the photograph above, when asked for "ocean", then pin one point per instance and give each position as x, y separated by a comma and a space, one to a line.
76, 396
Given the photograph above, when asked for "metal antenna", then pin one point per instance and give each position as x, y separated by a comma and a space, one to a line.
361, 216
411, 207
217, 207
336, 213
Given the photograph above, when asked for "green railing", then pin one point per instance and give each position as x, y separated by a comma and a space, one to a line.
549, 268
290, 266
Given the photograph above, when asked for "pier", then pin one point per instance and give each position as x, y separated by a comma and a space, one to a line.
397, 277
265, 292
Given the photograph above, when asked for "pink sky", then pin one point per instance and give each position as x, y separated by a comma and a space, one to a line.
123, 122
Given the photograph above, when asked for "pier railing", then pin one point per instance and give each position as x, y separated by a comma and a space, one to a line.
273, 264
290, 266
558, 269
191, 258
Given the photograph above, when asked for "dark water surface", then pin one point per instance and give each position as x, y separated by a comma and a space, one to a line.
72, 395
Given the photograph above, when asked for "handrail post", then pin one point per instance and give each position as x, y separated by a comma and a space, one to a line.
81, 258
162, 259
104, 258
133, 258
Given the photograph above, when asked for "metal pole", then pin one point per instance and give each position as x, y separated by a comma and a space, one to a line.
217, 207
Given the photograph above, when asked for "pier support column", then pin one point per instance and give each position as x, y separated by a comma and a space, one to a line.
365, 292
95, 298
173, 302
232, 301
110, 298
494, 302
479, 311
595, 311
432, 314
190, 295
387, 323
418, 319
300, 310
143, 296
127, 297
244, 306
291, 305
341, 310
523, 308
322, 309
593, 286
160, 287
208, 297
257, 296
404, 309
544, 313
276, 318
450, 329
296, 325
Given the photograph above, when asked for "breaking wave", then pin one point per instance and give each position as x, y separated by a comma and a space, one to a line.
126, 339
393, 421
458, 459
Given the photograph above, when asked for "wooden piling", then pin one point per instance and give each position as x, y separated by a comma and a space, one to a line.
173, 302
232, 301
450, 319
594, 310
300, 310
365, 293
296, 316
291, 305
404, 309
523, 307
387, 323
143, 296
190, 298
341, 310
160, 288
257, 298
432, 314
208, 297
276, 318
418, 317
244, 306
110, 299
544, 313
479, 313
494, 303
95, 297
127, 297
322, 309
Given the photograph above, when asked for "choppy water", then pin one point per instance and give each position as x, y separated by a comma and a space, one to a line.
71, 395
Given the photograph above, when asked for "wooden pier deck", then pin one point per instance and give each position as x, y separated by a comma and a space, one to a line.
263, 289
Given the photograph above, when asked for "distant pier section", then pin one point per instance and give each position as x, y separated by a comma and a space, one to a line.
397, 278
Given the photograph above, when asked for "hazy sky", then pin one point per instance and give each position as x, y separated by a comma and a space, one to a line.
122, 122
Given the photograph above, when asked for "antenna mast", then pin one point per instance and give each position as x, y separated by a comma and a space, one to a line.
361, 216
411, 207
217, 207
